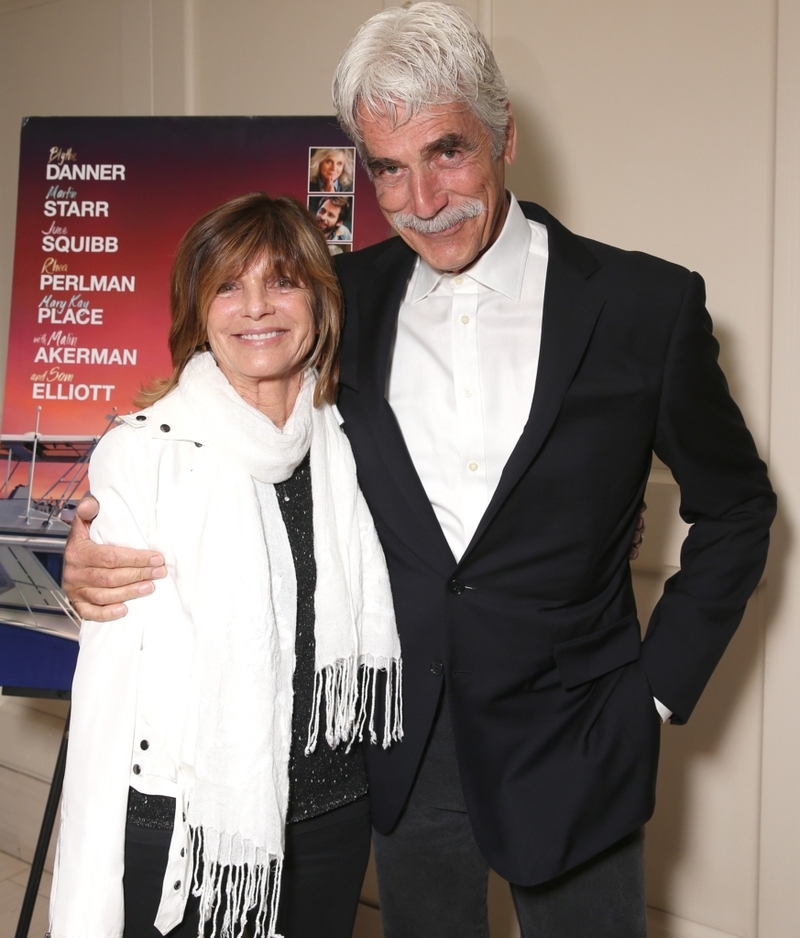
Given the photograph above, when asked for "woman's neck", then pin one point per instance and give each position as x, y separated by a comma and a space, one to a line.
274, 397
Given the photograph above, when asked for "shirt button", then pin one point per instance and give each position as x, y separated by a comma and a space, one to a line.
458, 281
468, 392
465, 319
473, 467
436, 668
164, 428
137, 769
144, 744
456, 587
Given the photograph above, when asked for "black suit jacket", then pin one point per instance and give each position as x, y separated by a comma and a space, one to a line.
534, 630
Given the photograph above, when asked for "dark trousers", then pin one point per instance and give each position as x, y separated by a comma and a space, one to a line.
432, 879
324, 864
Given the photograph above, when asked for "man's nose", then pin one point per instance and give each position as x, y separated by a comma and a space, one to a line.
428, 195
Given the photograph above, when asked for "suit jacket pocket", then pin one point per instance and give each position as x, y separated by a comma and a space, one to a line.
588, 657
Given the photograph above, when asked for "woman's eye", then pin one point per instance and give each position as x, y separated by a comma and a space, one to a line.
226, 287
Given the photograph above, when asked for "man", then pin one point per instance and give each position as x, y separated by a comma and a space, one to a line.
331, 215
504, 384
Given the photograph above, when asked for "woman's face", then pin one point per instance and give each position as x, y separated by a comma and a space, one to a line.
261, 330
330, 169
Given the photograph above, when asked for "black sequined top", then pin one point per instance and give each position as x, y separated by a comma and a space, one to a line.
326, 778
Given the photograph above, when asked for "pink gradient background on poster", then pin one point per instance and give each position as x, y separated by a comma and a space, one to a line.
175, 170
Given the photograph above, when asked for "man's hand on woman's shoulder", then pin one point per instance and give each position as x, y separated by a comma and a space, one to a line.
98, 578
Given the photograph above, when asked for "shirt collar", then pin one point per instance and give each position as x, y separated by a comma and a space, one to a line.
501, 268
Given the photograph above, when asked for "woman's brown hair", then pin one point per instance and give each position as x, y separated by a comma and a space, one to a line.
228, 241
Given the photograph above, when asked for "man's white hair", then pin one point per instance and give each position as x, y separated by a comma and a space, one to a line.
409, 58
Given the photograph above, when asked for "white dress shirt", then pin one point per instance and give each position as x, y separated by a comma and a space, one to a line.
463, 371
464, 368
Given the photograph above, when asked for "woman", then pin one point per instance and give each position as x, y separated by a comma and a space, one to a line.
331, 170
195, 736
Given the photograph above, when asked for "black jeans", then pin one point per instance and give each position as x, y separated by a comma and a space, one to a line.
432, 879
324, 863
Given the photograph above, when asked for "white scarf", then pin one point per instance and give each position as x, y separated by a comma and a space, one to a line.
238, 751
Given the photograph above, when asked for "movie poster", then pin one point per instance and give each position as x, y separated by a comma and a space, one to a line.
102, 205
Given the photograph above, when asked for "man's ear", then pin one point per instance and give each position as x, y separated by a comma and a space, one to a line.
510, 149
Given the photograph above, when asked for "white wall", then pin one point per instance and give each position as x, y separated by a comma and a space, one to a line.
671, 126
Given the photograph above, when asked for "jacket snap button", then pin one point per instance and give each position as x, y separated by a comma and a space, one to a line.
437, 667
144, 744
141, 417
177, 884
183, 851
137, 769
164, 428
456, 587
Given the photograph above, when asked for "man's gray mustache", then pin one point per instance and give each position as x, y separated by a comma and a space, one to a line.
440, 222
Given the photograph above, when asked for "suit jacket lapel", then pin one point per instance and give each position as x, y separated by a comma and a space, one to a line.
378, 306
571, 308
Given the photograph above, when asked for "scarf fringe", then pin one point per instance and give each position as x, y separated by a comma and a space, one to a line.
250, 886
350, 690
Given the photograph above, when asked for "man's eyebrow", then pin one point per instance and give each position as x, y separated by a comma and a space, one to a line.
452, 141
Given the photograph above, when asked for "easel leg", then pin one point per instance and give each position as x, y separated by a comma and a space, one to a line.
45, 833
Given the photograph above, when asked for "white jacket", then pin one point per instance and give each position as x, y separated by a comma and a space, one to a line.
132, 681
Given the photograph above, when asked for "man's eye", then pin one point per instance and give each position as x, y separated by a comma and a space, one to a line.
449, 154
390, 170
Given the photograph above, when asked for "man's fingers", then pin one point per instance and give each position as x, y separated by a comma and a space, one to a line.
136, 564
99, 585
101, 604
99, 578
638, 533
100, 613
87, 509
96, 575
83, 554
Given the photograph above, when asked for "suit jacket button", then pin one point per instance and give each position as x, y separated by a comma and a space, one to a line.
456, 587
437, 668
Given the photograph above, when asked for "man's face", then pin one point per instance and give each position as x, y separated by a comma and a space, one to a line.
328, 216
437, 183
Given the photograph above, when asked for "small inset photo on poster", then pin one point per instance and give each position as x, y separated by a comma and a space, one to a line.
339, 247
334, 215
331, 169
